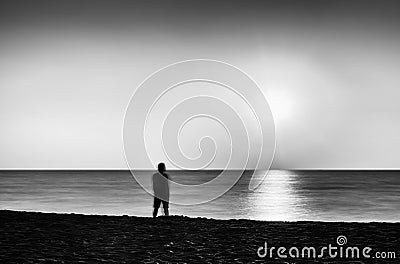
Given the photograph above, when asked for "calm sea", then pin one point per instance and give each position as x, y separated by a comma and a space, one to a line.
284, 195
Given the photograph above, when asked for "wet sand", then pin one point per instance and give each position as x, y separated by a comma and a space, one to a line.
29, 237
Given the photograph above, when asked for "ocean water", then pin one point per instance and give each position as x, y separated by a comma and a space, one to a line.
284, 195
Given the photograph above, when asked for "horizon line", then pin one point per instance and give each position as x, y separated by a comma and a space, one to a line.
208, 169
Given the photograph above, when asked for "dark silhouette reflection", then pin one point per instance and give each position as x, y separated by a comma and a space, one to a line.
161, 189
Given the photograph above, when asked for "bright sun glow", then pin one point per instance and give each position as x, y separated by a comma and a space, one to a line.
281, 105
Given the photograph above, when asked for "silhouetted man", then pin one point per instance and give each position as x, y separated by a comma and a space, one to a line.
161, 189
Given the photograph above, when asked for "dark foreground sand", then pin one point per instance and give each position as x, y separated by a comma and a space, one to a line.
71, 238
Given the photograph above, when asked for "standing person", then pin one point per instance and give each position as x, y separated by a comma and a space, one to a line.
161, 189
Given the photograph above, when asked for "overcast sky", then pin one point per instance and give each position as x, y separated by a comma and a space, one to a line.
330, 70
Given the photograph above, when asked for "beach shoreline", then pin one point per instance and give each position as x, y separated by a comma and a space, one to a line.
33, 237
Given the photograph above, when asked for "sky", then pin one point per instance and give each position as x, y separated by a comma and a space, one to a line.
329, 69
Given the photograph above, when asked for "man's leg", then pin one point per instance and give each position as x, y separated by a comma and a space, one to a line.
155, 211
165, 206
156, 205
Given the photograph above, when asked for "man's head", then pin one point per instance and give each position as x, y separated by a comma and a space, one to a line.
161, 167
